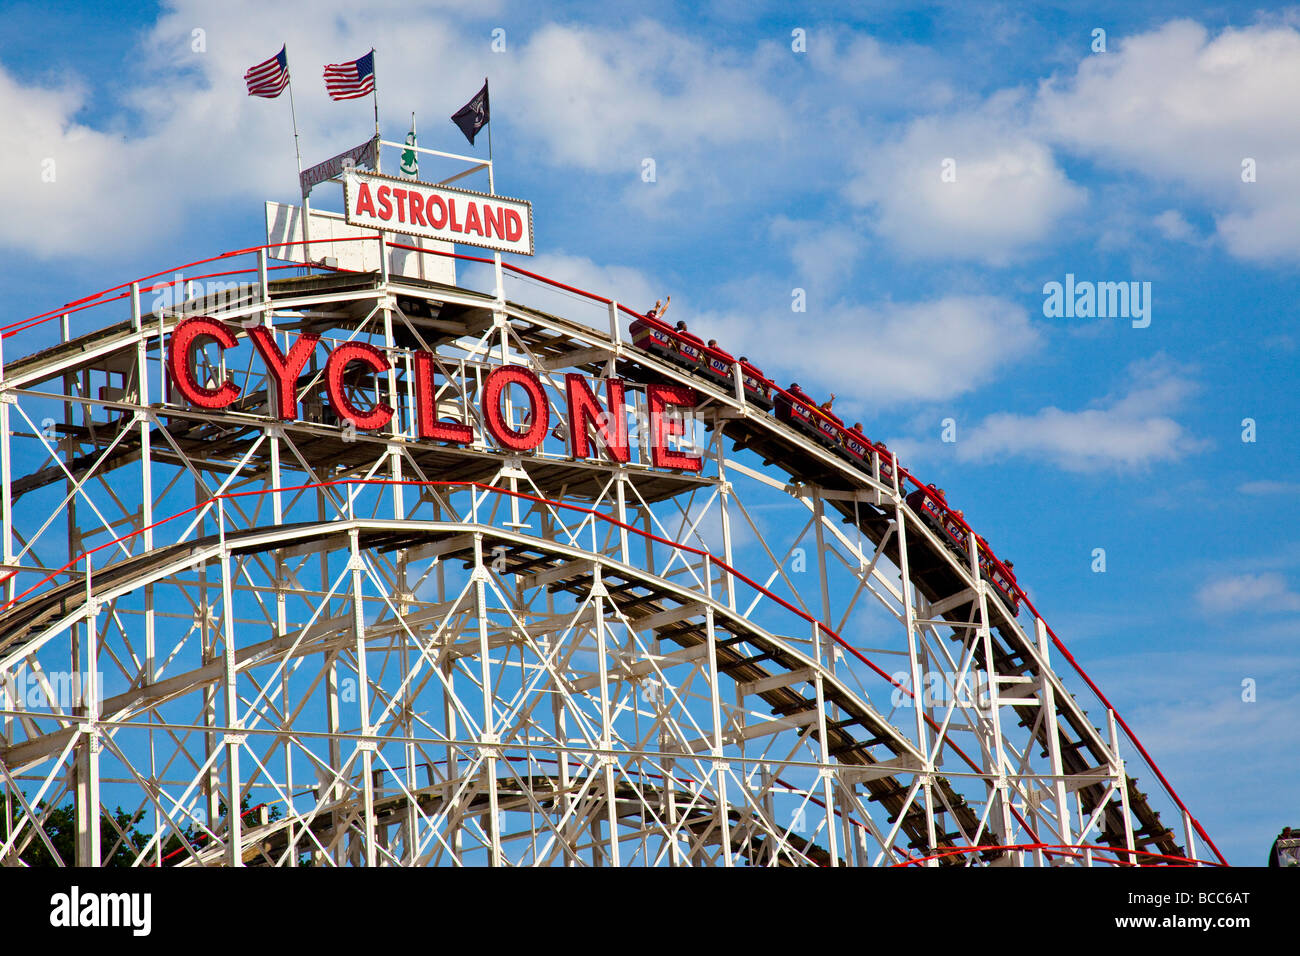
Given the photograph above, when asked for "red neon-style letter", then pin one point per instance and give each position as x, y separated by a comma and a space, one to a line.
472, 223
426, 402
539, 413
180, 362
585, 410
440, 219
378, 416
662, 426
281, 372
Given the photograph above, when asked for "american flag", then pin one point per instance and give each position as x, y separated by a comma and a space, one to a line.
348, 81
269, 79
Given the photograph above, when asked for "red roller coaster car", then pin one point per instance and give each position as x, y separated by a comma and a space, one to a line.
758, 387
798, 410
691, 353
935, 512
801, 412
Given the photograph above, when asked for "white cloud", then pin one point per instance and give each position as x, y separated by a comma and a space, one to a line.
1175, 105
626, 285
1008, 192
1242, 592
603, 100
63, 184
723, 122
823, 255
878, 355
853, 60
185, 134
1129, 430
1185, 109
1173, 225
1227, 756
888, 354
1267, 487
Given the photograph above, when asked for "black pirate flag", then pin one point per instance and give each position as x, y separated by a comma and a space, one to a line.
473, 116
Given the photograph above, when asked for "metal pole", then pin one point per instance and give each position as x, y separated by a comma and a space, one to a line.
492, 189
306, 205
374, 96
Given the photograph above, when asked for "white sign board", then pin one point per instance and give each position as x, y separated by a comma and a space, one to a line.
438, 212
360, 251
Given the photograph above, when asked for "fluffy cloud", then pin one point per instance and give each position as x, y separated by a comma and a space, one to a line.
1240, 592
602, 100
599, 100
1008, 192
883, 355
188, 137
1269, 487
888, 354
1173, 225
1175, 106
1133, 429
823, 256
624, 284
1185, 109
64, 184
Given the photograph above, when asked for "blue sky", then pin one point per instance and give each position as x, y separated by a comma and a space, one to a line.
822, 170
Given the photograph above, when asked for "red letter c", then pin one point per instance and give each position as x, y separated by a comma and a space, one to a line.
180, 362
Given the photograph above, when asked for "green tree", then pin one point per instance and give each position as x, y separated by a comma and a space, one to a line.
120, 848
61, 828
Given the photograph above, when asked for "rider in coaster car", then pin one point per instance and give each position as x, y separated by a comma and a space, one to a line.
826, 407
856, 434
752, 368
800, 394
680, 329
654, 318
713, 344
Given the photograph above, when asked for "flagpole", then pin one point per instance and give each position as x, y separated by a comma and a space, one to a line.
374, 96
419, 240
491, 183
306, 205
492, 188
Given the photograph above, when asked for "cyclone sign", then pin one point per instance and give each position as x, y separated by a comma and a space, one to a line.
586, 416
439, 212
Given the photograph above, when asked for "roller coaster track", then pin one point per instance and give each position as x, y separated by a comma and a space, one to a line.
800, 689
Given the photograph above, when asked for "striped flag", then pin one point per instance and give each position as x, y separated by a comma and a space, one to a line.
348, 81
270, 77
